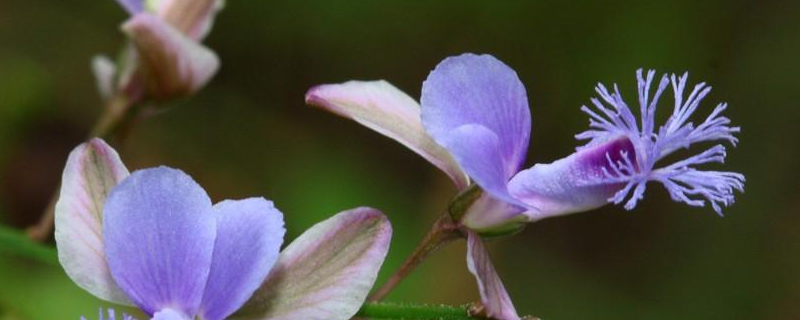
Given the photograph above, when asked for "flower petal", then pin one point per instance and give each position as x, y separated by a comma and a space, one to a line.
191, 17
489, 216
493, 294
104, 72
249, 237
173, 64
382, 107
159, 236
478, 90
92, 170
326, 273
577, 183
476, 148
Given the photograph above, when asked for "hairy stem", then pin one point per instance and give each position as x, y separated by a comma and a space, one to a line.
380, 310
444, 231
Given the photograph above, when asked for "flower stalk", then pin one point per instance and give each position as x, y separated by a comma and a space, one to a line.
443, 231
117, 111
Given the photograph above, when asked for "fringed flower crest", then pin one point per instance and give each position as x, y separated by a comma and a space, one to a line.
612, 118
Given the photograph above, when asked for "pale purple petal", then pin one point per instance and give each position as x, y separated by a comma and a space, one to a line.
159, 236
489, 215
92, 170
494, 296
132, 6
582, 181
326, 273
169, 314
382, 107
478, 90
173, 64
249, 237
476, 148
191, 17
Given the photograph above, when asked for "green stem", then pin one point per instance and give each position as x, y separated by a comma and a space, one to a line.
14, 241
387, 311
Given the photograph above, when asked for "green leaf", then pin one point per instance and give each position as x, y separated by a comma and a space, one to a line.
16, 242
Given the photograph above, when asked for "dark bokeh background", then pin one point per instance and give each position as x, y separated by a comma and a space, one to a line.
249, 133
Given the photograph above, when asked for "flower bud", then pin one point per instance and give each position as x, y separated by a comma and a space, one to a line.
172, 64
191, 17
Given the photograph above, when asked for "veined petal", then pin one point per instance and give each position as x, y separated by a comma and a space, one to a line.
326, 273
494, 296
159, 235
249, 237
92, 170
173, 64
582, 181
382, 107
478, 90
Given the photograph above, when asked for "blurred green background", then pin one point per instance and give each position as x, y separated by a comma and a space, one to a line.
249, 133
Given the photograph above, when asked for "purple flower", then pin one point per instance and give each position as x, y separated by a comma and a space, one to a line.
623, 151
154, 239
175, 255
476, 109
474, 120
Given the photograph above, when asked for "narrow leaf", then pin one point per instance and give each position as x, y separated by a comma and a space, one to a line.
14, 241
